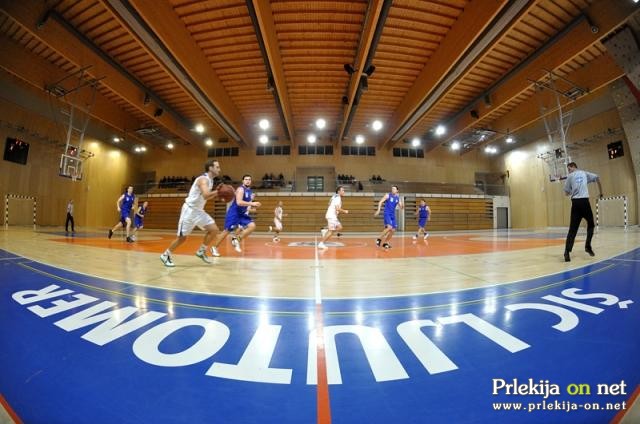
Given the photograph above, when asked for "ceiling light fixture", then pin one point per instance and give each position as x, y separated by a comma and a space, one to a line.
376, 125
264, 139
199, 128
440, 130
415, 142
311, 138
320, 123
208, 142
360, 139
264, 124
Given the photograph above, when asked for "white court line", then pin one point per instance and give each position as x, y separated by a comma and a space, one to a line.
316, 274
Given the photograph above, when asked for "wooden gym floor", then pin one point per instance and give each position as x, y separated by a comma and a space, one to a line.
302, 335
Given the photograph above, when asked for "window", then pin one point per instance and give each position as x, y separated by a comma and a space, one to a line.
358, 151
408, 153
273, 150
315, 149
223, 151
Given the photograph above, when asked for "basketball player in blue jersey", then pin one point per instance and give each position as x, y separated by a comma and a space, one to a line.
238, 216
424, 214
124, 205
230, 226
193, 214
138, 219
391, 201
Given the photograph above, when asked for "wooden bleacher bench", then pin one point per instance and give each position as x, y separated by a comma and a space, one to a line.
306, 213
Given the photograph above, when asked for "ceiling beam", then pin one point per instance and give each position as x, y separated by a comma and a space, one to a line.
264, 16
164, 35
604, 14
595, 75
39, 72
366, 39
57, 37
453, 49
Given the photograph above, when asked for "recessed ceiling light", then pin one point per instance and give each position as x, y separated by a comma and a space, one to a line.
320, 123
359, 139
169, 146
208, 142
264, 124
143, 149
509, 140
415, 142
116, 139
264, 139
440, 130
199, 128
376, 125
311, 138
455, 145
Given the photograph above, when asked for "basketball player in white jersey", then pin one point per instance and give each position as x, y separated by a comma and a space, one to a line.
335, 208
194, 215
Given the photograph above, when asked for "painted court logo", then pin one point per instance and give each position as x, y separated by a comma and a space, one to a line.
313, 244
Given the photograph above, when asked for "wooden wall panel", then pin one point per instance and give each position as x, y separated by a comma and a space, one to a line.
94, 197
536, 202
440, 165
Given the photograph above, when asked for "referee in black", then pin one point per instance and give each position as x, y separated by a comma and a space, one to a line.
69, 218
576, 187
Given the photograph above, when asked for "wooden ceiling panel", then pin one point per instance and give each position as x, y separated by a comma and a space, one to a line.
316, 39
224, 33
312, 40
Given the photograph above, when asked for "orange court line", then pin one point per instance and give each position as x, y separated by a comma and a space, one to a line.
16, 419
323, 405
258, 247
620, 415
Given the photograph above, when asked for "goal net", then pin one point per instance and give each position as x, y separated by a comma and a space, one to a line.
612, 212
20, 210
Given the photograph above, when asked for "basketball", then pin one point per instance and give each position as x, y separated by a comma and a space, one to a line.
226, 192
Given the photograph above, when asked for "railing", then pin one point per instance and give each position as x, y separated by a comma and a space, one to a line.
349, 185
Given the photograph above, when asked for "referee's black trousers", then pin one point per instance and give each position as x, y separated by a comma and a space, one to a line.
580, 208
66, 224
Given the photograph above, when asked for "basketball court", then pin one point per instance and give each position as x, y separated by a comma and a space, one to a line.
238, 338
481, 110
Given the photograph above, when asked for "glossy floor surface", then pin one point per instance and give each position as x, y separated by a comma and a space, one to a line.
462, 327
